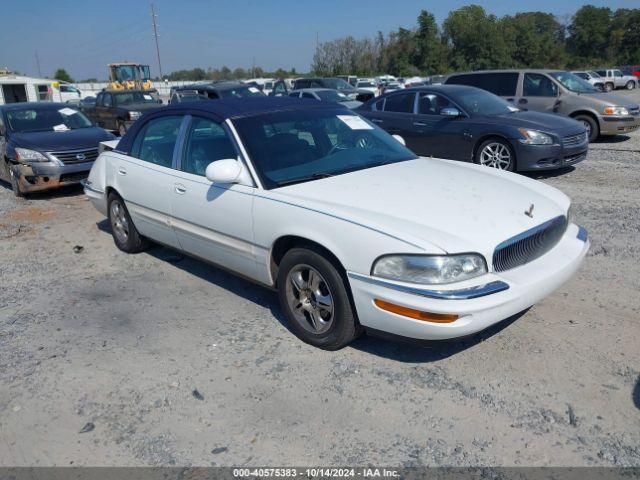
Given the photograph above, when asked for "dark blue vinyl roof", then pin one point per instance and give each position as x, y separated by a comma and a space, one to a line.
244, 107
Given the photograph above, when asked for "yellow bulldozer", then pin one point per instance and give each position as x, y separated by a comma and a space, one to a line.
129, 76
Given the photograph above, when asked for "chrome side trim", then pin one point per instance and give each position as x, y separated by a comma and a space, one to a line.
461, 294
86, 184
582, 234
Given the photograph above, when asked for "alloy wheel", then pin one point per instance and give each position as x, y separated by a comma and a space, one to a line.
496, 155
119, 222
310, 299
587, 125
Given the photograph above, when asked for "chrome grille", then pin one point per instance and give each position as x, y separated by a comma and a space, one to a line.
529, 245
76, 156
573, 140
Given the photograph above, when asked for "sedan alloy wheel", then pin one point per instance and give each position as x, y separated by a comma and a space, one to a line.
310, 299
496, 155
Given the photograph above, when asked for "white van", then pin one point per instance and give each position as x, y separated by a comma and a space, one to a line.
18, 88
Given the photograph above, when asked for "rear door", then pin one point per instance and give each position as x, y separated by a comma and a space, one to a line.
213, 222
397, 116
145, 177
539, 93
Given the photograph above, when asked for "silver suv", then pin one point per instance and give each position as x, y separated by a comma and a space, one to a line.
616, 79
555, 91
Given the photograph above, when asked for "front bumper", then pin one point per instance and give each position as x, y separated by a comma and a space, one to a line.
548, 157
36, 177
503, 295
618, 125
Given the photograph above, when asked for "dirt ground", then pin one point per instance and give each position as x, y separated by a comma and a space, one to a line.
120, 343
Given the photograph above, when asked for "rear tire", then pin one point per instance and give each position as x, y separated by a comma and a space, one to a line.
593, 129
630, 85
314, 298
608, 87
125, 235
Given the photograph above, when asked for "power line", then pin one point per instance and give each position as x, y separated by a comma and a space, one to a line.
155, 34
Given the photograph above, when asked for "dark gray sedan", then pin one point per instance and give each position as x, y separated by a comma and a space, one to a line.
469, 124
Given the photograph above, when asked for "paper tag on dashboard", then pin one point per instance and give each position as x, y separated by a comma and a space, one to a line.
147, 97
68, 111
60, 128
254, 89
355, 122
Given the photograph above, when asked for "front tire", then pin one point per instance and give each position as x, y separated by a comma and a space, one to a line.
593, 129
125, 235
496, 153
630, 85
608, 87
314, 298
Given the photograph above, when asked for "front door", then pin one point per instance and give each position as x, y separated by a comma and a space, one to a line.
213, 222
145, 178
539, 93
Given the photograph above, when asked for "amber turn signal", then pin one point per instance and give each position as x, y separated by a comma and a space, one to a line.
416, 314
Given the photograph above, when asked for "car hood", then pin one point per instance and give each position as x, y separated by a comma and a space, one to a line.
433, 204
80, 138
141, 106
612, 99
547, 122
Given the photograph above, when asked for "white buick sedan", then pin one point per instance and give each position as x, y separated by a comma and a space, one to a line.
351, 228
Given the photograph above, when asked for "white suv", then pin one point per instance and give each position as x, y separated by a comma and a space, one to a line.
616, 79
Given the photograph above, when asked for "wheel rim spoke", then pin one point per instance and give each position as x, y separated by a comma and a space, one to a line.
310, 299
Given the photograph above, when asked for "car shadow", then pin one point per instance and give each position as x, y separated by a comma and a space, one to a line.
612, 139
549, 173
386, 346
60, 192
636, 394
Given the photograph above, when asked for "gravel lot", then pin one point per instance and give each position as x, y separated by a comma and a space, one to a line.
122, 341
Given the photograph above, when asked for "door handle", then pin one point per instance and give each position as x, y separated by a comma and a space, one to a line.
523, 100
122, 171
376, 120
419, 124
179, 188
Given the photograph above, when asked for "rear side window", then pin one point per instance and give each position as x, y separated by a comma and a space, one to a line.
401, 103
503, 84
538, 85
156, 141
206, 142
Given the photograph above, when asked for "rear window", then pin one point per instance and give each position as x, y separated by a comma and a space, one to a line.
402, 103
503, 84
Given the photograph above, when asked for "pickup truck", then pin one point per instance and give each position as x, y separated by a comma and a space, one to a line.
117, 110
616, 79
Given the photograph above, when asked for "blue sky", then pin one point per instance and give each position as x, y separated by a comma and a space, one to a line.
83, 36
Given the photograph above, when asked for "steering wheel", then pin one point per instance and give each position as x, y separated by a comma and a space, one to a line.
338, 146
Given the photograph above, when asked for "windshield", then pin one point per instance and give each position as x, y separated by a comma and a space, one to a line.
365, 84
594, 74
132, 97
478, 102
336, 84
331, 96
298, 146
573, 82
46, 120
241, 92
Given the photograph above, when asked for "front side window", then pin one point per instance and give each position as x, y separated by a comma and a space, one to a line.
46, 120
401, 103
432, 104
156, 141
290, 147
107, 100
538, 85
207, 141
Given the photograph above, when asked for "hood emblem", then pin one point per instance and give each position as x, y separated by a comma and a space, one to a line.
81, 157
529, 211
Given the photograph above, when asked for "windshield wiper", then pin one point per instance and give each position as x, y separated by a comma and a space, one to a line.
315, 176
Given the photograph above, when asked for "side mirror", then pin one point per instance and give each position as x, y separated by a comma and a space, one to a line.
224, 171
450, 112
400, 139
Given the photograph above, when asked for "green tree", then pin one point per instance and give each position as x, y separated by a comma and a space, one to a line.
62, 75
429, 52
475, 39
534, 39
589, 35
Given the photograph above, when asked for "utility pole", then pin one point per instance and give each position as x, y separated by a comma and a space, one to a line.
317, 40
155, 34
38, 64
253, 68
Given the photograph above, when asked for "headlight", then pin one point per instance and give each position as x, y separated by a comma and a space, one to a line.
134, 115
534, 137
430, 269
25, 155
616, 111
